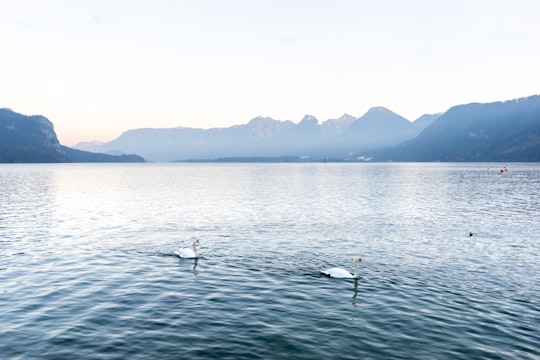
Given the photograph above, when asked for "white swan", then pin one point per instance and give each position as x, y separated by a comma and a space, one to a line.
340, 273
187, 253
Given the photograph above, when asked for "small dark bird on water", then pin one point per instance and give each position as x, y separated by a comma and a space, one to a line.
470, 234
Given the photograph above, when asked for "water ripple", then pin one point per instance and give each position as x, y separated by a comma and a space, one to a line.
92, 273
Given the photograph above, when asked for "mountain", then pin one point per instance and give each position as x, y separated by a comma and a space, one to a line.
265, 137
302, 139
378, 127
424, 121
85, 145
28, 139
336, 127
183, 143
498, 131
80, 156
31, 139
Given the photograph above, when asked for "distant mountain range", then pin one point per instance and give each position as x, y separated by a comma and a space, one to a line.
263, 137
31, 139
499, 131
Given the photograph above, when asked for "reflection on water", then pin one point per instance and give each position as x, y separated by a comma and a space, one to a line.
195, 262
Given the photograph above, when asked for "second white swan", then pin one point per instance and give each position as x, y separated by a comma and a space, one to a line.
189, 253
340, 273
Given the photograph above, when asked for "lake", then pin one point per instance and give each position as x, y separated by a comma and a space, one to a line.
88, 269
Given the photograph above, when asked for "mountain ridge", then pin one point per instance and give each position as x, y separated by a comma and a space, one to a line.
267, 137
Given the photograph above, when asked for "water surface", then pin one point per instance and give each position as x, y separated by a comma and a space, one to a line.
87, 264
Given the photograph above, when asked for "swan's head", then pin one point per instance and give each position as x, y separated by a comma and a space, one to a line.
357, 259
196, 242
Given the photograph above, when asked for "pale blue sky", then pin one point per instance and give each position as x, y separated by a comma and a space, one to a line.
96, 68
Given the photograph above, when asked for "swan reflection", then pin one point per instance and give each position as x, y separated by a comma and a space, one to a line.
355, 300
355, 294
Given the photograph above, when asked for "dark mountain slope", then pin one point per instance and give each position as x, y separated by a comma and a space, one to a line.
31, 139
499, 131
28, 139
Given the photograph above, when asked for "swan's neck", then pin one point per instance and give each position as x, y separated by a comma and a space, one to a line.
195, 249
355, 269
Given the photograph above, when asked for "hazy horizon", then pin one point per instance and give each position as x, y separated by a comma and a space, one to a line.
98, 68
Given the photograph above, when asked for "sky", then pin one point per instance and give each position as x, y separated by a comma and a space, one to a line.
97, 68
